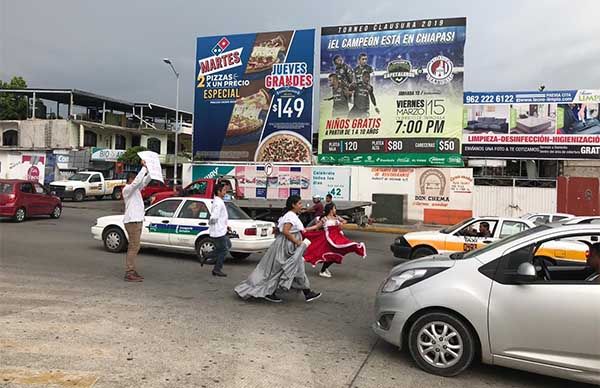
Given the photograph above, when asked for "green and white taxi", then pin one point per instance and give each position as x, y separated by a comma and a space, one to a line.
182, 224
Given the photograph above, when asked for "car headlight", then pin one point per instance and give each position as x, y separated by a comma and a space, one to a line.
68, 188
409, 277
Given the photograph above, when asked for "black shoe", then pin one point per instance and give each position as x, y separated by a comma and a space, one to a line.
310, 296
219, 273
273, 298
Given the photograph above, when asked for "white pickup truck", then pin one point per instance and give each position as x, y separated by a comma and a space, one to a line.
88, 184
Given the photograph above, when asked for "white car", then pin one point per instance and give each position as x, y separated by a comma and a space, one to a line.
545, 218
464, 236
182, 224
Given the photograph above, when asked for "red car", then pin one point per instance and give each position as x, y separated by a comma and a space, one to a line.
155, 186
20, 199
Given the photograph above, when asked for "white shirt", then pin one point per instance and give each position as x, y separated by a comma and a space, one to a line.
217, 226
291, 218
132, 195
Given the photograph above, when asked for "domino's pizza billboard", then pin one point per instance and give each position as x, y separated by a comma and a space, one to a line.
253, 97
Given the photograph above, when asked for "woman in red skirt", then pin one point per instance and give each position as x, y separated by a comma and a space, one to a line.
329, 245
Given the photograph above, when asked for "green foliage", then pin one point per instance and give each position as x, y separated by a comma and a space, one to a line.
130, 157
13, 107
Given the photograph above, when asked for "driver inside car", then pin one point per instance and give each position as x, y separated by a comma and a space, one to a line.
593, 260
484, 230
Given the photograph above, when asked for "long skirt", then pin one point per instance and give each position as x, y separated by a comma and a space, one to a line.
330, 245
282, 267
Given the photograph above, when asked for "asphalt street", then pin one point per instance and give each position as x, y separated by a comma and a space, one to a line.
67, 318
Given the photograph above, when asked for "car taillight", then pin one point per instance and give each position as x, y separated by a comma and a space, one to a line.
250, 232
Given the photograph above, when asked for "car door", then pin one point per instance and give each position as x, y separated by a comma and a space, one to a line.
28, 199
95, 186
158, 222
43, 201
191, 220
467, 238
542, 321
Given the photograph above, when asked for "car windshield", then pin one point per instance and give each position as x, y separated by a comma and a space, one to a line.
499, 243
452, 228
79, 177
6, 188
235, 213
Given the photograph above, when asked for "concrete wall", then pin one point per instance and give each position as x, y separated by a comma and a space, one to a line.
582, 168
43, 133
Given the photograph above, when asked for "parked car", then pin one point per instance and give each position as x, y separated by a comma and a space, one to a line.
503, 303
182, 224
20, 199
88, 184
582, 220
545, 218
463, 236
155, 186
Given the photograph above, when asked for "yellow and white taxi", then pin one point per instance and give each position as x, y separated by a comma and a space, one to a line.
470, 234
181, 224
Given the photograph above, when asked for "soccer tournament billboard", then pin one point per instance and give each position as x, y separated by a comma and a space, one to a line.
253, 97
562, 124
392, 93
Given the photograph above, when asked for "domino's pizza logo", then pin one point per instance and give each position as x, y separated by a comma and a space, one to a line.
220, 46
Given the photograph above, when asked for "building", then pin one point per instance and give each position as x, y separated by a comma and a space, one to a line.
74, 129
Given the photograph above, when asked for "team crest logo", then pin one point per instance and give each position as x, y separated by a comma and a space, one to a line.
440, 70
399, 71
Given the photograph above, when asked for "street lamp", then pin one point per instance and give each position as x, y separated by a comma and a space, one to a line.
168, 62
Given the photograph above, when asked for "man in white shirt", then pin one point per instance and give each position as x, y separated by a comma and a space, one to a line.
218, 229
134, 219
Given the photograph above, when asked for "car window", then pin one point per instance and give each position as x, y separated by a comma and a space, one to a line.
452, 228
541, 219
95, 179
194, 210
235, 213
511, 227
27, 188
595, 221
164, 209
478, 229
79, 177
558, 218
39, 189
503, 242
197, 188
6, 188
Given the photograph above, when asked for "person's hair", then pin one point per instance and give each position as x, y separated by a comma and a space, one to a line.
336, 58
225, 182
329, 196
131, 176
362, 55
218, 187
595, 249
332, 75
328, 209
291, 201
486, 224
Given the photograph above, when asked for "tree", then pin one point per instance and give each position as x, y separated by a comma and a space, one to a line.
130, 157
13, 107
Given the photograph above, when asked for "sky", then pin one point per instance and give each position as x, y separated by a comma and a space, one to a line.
115, 47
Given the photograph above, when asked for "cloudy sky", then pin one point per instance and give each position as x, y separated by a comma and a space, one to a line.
115, 47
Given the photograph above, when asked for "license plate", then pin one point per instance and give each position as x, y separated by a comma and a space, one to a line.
263, 233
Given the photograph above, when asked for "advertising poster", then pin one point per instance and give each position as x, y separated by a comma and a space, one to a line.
532, 125
332, 180
253, 97
391, 93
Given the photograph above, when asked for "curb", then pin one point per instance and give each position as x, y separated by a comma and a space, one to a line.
379, 229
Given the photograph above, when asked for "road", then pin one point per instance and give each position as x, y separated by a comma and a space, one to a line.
67, 318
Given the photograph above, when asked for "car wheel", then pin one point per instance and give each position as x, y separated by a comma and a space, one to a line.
421, 252
56, 212
20, 215
117, 194
441, 343
114, 240
204, 247
239, 255
99, 197
79, 195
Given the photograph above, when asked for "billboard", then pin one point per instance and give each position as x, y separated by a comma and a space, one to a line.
532, 125
391, 93
253, 97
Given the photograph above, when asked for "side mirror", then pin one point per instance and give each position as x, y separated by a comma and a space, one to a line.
526, 273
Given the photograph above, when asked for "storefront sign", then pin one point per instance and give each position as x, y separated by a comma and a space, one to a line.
391, 93
106, 154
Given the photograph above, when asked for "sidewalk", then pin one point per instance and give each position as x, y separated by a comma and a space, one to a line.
394, 229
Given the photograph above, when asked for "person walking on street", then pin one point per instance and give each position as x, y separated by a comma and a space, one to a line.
133, 219
218, 229
282, 266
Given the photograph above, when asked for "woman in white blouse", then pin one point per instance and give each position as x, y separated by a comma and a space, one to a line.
282, 266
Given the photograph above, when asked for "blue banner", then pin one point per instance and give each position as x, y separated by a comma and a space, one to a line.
253, 97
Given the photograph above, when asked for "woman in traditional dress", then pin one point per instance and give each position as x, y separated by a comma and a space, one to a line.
282, 266
330, 245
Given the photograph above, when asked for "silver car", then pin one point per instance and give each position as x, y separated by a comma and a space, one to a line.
510, 304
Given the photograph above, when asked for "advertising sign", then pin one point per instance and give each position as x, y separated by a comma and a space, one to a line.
532, 125
106, 154
332, 180
253, 97
391, 93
